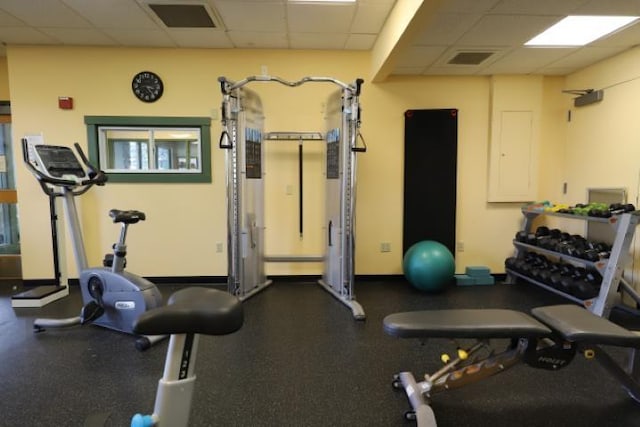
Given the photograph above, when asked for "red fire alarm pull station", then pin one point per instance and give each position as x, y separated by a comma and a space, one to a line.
65, 102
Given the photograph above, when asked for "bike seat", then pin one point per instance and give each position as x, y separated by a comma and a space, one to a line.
193, 310
127, 217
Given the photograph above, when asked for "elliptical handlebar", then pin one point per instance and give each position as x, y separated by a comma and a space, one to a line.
95, 175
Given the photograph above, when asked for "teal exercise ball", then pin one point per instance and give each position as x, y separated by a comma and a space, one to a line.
429, 266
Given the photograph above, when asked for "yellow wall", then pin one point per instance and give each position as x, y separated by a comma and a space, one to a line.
603, 139
4, 79
185, 221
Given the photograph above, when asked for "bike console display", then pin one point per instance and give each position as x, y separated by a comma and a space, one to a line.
58, 162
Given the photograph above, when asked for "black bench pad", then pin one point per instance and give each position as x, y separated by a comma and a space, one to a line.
576, 324
464, 323
193, 310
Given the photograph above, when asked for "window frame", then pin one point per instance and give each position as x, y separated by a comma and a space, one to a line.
94, 123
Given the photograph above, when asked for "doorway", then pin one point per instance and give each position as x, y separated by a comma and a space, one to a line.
10, 262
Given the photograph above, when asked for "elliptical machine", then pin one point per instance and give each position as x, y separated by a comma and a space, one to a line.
112, 297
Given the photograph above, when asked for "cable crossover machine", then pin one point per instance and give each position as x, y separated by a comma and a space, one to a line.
242, 136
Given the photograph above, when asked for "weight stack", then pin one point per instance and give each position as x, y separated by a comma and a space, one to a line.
475, 276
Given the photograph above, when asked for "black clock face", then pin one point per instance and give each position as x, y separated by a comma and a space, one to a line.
147, 86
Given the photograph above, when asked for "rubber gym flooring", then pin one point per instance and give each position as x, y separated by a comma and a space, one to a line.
299, 360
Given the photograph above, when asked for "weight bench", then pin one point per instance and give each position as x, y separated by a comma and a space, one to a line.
548, 339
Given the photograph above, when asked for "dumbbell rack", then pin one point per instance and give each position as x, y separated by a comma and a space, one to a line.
611, 268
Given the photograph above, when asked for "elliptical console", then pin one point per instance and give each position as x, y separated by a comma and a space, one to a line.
112, 297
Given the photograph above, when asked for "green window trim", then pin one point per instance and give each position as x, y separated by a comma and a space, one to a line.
204, 123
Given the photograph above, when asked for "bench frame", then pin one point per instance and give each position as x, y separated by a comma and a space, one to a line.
552, 352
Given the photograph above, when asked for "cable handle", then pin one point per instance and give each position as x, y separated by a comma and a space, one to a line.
96, 176
225, 136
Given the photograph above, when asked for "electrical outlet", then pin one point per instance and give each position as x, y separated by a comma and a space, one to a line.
460, 246
385, 247
219, 247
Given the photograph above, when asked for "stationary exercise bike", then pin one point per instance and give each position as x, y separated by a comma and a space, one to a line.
189, 313
112, 297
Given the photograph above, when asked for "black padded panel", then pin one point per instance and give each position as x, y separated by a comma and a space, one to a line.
579, 325
464, 323
430, 173
193, 310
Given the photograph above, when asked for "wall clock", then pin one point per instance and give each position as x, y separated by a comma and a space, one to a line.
147, 86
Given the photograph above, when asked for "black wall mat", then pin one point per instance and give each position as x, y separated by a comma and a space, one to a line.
430, 164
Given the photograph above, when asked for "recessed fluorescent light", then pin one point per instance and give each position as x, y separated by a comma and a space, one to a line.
580, 30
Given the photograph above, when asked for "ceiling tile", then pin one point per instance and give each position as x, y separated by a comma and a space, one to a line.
468, 6
8, 20
506, 29
408, 71
113, 13
525, 60
360, 41
420, 56
611, 7
446, 28
623, 38
263, 16
370, 17
450, 71
585, 56
79, 36
537, 7
154, 38
314, 18
529, 57
246, 39
24, 35
550, 71
200, 38
50, 13
317, 41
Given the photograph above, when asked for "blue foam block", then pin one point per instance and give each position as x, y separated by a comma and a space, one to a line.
465, 280
477, 271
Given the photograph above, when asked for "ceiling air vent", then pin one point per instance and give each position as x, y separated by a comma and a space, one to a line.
469, 58
184, 15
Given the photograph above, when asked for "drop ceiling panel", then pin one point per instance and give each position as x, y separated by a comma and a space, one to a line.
370, 17
506, 30
538, 7
533, 57
446, 28
458, 25
584, 57
360, 41
263, 16
153, 38
51, 13
420, 56
113, 13
526, 60
200, 38
451, 71
627, 37
246, 39
25, 35
468, 6
310, 18
8, 20
313, 41
611, 7
79, 36
407, 71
